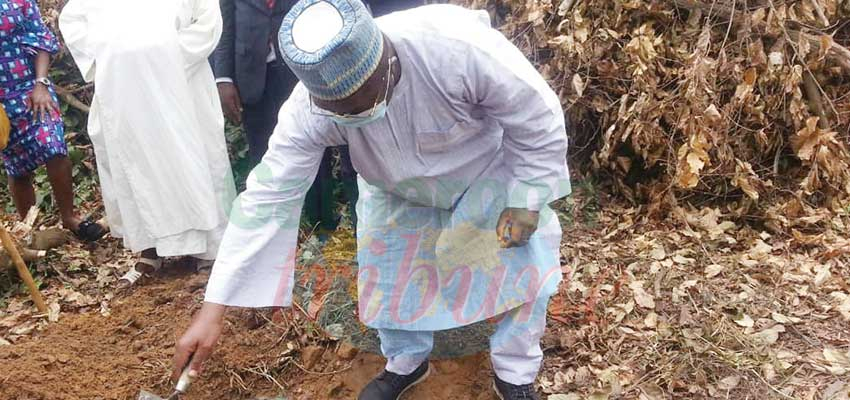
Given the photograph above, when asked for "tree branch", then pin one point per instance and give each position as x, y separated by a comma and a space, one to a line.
72, 100
837, 52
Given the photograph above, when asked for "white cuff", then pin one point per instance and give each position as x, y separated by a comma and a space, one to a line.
223, 80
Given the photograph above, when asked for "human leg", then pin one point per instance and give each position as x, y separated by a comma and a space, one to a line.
61, 180
23, 193
149, 262
260, 118
405, 350
515, 346
515, 350
407, 363
349, 183
258, 123
318, 203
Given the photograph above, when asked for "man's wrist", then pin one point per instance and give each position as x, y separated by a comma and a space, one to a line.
213, 311
44, 81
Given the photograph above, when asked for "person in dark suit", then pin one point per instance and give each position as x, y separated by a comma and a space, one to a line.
253, 83
382, 7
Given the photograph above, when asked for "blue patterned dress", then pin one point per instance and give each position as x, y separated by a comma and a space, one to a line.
22, 34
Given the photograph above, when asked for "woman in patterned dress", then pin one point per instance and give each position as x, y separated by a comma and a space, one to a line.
37, 135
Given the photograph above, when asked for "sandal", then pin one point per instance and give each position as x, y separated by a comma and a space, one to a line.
133, 275
90, 231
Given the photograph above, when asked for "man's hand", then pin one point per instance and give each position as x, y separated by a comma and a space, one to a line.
199, 340
41, 103
231, 104
515, 226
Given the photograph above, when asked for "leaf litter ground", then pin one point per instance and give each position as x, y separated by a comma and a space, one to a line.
700, 306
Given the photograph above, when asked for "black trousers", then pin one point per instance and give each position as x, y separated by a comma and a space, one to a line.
260, 118
259, 121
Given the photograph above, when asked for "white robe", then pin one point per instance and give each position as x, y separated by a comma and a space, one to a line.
471, 128
155, 122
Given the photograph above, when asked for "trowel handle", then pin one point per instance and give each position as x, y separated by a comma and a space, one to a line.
185, 380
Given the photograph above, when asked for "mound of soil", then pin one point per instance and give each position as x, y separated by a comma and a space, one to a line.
89, 356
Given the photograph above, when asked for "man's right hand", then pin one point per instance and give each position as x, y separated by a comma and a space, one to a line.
199, 340
231, 104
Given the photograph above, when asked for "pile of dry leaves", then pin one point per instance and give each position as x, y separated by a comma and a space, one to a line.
740, 103
696, 307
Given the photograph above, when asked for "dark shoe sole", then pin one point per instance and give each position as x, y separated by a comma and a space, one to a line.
498, 393
418, 381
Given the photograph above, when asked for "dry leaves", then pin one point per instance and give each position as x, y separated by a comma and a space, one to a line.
724, 101
702, 308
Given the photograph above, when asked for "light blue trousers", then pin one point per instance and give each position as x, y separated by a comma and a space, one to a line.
514, 348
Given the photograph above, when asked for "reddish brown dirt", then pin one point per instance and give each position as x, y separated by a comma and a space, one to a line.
89, 356
465, 378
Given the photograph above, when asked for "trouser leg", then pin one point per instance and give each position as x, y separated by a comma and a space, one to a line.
260, 118
328, 214
259, 121
405, 350
319, 205
515, 346
349, 183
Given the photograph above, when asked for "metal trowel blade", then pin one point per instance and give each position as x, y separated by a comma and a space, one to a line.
143, 395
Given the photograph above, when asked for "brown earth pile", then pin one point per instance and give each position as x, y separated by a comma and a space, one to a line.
90, 356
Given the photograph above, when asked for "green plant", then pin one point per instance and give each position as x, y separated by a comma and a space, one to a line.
237, 147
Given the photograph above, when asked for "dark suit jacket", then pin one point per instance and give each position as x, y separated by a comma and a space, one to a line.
241, 54
248, 26
382, 7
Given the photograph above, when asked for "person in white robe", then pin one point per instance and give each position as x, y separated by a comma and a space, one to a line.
155, 123
460, 145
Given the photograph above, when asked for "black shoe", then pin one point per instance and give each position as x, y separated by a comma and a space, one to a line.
390, 386
506, 391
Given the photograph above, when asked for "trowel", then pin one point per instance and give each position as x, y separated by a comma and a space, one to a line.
182, 386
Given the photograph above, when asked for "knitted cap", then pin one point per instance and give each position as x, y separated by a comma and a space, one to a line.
332, 46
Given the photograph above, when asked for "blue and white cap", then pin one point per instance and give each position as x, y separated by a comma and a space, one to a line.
332, 46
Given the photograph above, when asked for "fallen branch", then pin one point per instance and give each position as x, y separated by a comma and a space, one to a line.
810, 87
836, 52
72, 100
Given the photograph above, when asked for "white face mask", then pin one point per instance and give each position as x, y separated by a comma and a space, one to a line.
376, 113
379, 111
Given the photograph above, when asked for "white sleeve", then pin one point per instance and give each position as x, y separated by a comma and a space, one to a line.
256, 261
500, 79
200, 37
75, 31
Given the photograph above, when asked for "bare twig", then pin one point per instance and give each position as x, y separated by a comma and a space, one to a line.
238, 379
777, 391
811, 87
72, 100
321, 373
820, 13
264, 372
837, 52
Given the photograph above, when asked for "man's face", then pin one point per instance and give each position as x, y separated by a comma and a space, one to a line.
374, 91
